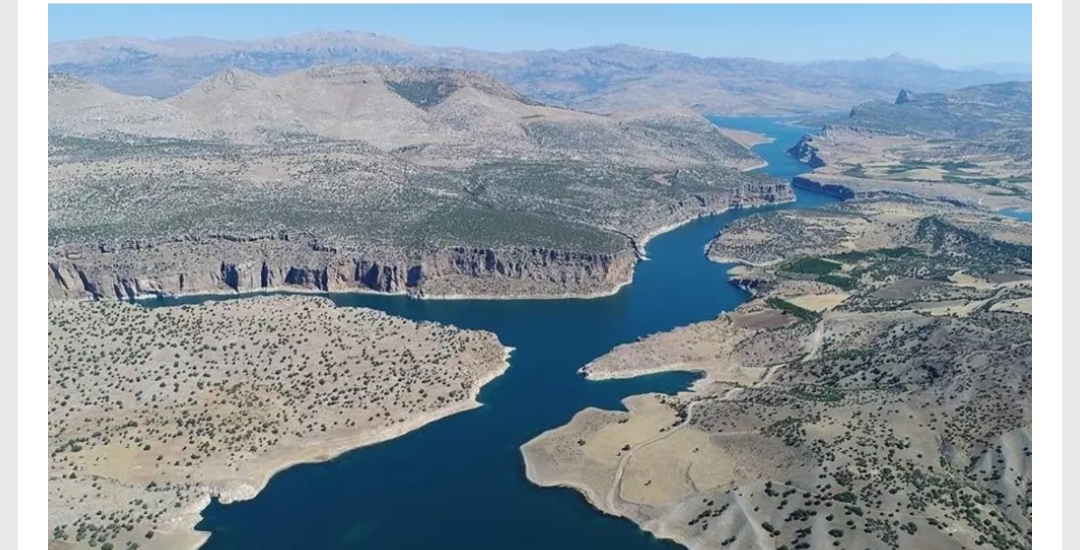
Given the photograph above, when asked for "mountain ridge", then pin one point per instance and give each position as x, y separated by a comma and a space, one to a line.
603, 78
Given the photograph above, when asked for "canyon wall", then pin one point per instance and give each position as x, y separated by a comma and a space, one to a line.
833, 189
231, 264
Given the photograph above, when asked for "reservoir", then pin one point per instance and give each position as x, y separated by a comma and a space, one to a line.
460, 482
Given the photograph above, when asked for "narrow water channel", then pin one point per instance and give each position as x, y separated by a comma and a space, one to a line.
459, 482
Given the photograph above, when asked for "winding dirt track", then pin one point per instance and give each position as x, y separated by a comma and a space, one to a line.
614, 500
614, 493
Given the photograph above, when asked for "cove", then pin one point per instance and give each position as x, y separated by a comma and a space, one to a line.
460, 482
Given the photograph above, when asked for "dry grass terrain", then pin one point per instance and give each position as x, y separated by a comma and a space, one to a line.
855, 226
874, 394
153, 411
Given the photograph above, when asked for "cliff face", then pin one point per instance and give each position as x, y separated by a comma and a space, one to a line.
806, 152
229, 263
753, 285
225, 264
833, 189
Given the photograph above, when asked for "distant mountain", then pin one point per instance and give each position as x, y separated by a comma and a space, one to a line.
599, 78
429, 116
1016, 71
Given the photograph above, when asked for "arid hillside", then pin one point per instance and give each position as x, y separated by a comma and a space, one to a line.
352, 176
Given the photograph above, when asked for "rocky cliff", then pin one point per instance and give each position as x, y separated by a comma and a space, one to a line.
806, 152
833, 189
279, 262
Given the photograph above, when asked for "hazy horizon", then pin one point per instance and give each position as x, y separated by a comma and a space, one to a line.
951, 36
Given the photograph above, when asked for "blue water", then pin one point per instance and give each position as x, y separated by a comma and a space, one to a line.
1022, 215
460, 482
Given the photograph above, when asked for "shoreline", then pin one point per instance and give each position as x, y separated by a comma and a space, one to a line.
146, 299
671, 227
748, 139
327, 451
740, 261
594, 376
530, 475
654, 528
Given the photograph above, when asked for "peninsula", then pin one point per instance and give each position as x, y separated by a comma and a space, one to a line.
152, 412
875, 392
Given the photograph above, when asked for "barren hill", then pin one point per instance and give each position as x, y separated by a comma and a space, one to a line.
433, 116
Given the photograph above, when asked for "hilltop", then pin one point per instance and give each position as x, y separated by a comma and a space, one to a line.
428, 181
599, 78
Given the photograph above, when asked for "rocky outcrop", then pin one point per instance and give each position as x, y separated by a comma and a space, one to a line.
753, 285
833, 189
806, 152
229, 264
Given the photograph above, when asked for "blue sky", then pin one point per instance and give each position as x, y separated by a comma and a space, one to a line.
950, 35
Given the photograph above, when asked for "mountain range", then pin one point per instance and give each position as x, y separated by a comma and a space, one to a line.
600, 78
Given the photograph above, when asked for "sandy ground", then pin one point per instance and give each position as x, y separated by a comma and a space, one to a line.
1021, 305
745, 138
819, 302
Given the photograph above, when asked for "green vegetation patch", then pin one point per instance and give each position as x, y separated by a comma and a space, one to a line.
424, 93
852, 256
815, 266
901, 252
840, 281
792, 309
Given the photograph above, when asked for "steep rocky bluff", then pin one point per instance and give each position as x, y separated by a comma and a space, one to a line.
349, 177
806, 152
222, 264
